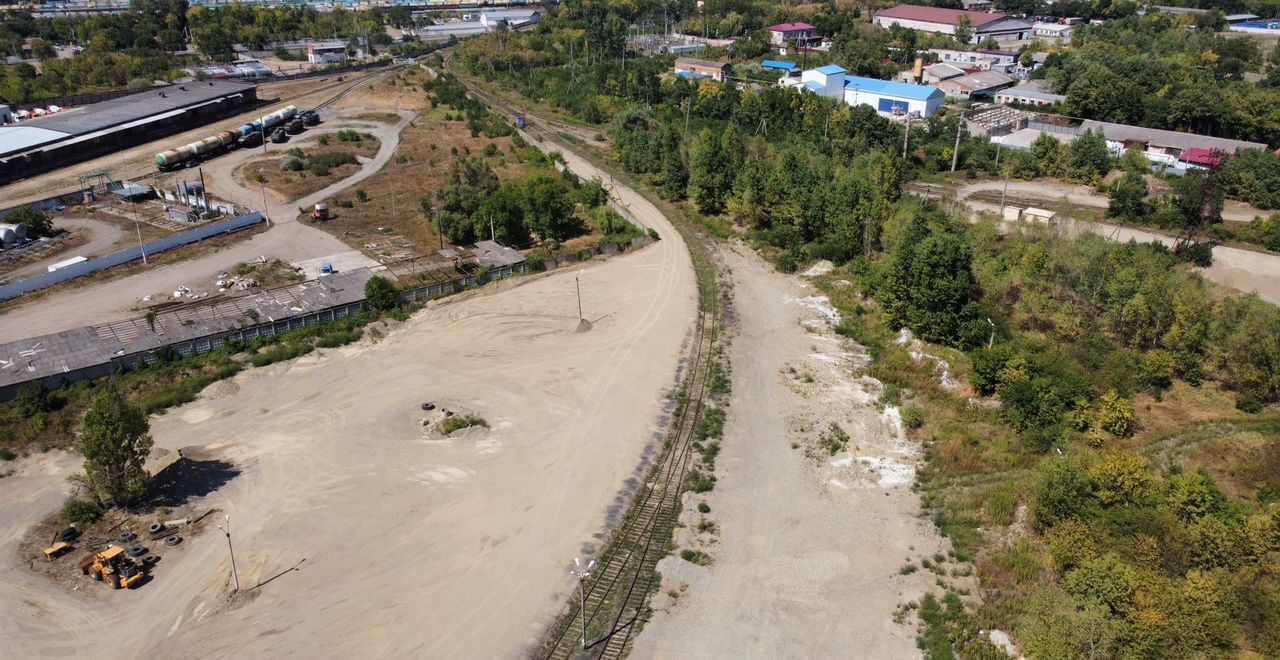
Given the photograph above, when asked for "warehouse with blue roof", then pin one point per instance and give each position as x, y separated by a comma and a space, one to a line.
887, 97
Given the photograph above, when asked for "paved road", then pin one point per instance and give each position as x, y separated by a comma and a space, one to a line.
287, 239
1242, 270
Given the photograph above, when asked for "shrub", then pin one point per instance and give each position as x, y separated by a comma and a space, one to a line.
380, 293
912, 417
703, 507
834, 438
458, 422
696, 557
81, 512
293, 163
1115, 416
699, 482
1062, 491
362, 196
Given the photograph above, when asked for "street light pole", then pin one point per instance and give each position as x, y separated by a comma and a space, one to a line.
578, 287
265, 213
138, 228
582, 576
226, 530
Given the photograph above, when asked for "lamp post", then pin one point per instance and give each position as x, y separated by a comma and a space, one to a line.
582, 575
578, 288
138, 228
227, 530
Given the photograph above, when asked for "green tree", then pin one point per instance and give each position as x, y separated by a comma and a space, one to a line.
709, 176
380, 293
1062, 491
931, 287
1106, 581
1089, 158
675, 177
1128, 197
548, 211
37, 223
115, 445
1115, 415
1193, 495
964, 29
503, 215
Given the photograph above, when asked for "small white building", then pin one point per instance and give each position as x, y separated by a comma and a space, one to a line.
326, 52
887, 97
513, 18
1057, 32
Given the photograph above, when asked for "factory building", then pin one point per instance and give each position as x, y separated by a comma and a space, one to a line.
887, 97
78, 134
997, 26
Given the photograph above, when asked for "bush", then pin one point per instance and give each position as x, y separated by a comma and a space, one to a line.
700, 482
696, 557
458, 422
912, 417
1062, 491
362, 196
703, 507
380, 293
81, 512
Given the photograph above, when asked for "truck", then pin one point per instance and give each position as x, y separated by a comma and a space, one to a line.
520, 121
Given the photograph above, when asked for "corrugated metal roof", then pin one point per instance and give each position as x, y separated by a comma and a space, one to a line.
939, 15
781, 66
814, 85
24, 136
831, 70
790, 27
981, 81
890, 88
1162, 138
97, 116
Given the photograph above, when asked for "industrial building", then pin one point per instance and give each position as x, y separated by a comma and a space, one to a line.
975, 85
997, 26
1173, 152
327, 52
887, 97
694, 69
78, 134
1031, 92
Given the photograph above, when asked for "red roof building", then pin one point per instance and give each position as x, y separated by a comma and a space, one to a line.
1204, 158
945, 21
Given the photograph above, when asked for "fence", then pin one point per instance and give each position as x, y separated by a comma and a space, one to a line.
23, 287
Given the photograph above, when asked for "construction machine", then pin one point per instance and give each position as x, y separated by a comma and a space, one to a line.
112, 565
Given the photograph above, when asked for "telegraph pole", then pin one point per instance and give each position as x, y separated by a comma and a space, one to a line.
582, 575
906, 134
955, 153
227, 530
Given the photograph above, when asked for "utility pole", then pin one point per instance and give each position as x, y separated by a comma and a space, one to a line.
138, 228
227, 530
1004, 192
578, 287
492, 235
265, 213
955, 153
906, 134
582, 575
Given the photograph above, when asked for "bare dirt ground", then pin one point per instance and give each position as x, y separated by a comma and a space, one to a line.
1242, 270
810, 542
371, 538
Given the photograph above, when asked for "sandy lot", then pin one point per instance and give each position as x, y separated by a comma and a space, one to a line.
807, 561
412, 545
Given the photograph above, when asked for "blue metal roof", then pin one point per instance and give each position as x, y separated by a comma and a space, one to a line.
690, 75
889, 88
832, 69
781, 66
814, 85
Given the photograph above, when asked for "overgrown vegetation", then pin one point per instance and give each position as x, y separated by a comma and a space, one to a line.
459, 422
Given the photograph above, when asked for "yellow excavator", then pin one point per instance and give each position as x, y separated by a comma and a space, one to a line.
114, 566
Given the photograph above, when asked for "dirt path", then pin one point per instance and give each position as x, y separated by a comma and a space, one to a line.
1242, 270
287, 239
1049, 190
403, 544
103, 236
810, 548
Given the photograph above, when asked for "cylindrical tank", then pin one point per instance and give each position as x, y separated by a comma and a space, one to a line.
171, 157
229, 137
322, 211
8, 236
917, 71
247, 130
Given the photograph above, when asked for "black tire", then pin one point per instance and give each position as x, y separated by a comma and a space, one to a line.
126, 537
137, 551
156, 527
150, 560
173, 540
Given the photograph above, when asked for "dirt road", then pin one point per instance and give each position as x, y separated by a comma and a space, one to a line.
1050, 190
1242, 270
413, 546
103, 237
810, 546
287, 239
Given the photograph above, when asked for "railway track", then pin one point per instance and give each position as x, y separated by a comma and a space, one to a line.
626, 570
627, 567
